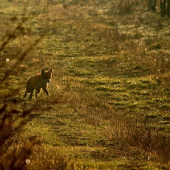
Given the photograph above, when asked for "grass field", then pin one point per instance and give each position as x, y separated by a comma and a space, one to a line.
109, 103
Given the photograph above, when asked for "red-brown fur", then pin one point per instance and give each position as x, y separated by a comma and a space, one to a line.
38, 82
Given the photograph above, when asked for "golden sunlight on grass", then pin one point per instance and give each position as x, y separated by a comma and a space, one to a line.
109, 96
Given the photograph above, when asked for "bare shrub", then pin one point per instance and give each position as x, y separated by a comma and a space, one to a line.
15, 154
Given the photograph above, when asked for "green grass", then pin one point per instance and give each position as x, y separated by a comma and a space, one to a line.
104, 87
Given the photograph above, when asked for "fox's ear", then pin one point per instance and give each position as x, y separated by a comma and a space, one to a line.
42, 72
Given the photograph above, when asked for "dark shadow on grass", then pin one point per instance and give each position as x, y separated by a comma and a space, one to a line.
13, 153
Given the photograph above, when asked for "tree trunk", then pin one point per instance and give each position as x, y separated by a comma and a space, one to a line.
168, 8
152, 5
163, 7
155, 3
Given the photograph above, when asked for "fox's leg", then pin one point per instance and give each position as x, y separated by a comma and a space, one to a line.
37, 91
31, 94
25, 94
46, 91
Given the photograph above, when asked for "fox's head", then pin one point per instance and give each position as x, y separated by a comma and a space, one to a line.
47, 75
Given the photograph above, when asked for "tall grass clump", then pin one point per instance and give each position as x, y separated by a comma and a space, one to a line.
138, 137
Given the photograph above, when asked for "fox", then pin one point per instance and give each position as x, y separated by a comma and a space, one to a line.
38, 82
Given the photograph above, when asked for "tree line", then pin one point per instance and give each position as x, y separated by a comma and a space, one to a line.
164, 6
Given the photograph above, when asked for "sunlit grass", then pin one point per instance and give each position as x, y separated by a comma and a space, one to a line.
109, 89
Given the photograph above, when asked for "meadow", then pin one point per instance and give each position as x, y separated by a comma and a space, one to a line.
109, 103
